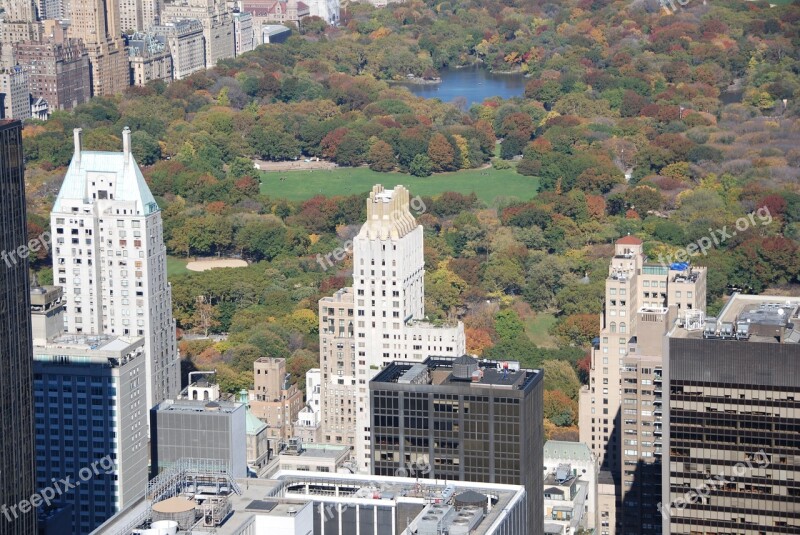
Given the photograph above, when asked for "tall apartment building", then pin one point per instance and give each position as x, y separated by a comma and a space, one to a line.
109, 256
150, 58
58, 70
18, 23
379, 320
732, 421
274, 399
618, 416
53, 9
97, 23
139, 15
16, 93
16, 379
459, 419
244, 34
89, 399
186, 45
217, 22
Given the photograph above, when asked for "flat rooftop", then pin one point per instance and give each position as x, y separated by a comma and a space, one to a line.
294, 490
755, 318
190, 405
464, 371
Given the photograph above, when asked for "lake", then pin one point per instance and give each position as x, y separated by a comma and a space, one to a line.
473, 83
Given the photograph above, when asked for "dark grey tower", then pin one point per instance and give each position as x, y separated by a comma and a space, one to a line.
16, 398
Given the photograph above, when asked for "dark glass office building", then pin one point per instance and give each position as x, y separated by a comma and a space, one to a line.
461, 419
732, 421
16, 405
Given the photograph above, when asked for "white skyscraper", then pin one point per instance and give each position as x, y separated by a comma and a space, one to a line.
109, 256
385, 319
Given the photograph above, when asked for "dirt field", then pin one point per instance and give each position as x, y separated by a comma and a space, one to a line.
205, 265
298, 165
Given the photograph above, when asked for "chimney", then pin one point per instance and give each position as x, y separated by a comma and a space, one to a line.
76, 135
126, 142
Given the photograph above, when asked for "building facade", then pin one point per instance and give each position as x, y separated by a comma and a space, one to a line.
244, 33
377, 321
110, 258
58, 72
90, 414
97, 24
618, 409
199, 429
139, 15
583, 465
16, 93
150, 59
186, 45
217, 23
461, 419
16, 378
308, 426
274, 399
18, 23
732, 421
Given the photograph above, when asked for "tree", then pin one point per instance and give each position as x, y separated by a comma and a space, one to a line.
559, 375
478, 340
558, 408
205, 316
441, 153
381, 157
577, 330
420, 165
145, 148
508, 325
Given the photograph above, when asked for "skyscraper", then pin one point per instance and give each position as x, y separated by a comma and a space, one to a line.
89, 395
97, 23
16, 380
732, 421
460, 419
379, 320
620, 416
109, 256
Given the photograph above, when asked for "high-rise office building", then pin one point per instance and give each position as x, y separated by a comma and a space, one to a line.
97, 23
461, 419
379, 320
732, 421
91, 419
16, 380
619, 416
109, 256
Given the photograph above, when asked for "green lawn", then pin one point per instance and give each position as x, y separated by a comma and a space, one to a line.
176, 266
487, 184
537, 327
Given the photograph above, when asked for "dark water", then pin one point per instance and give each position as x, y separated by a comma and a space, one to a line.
475, 84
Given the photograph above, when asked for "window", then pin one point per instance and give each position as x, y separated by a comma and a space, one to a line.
622, 327
613, 327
